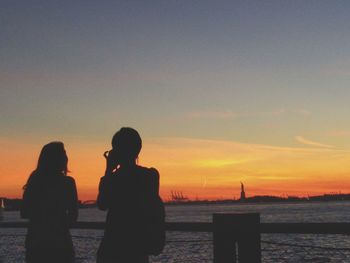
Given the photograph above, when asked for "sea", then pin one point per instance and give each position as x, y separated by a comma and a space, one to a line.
197, 247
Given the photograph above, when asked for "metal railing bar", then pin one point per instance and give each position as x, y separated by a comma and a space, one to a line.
305, 228
170, 226
304, 246
100, 237
265, 228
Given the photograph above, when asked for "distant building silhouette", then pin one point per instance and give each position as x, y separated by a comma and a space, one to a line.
177, 196
242, 193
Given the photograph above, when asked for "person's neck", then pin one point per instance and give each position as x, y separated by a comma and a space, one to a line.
128, 164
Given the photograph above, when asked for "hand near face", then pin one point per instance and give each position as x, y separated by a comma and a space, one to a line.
111, 160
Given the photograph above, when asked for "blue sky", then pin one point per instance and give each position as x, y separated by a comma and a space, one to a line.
249, 71
221, 91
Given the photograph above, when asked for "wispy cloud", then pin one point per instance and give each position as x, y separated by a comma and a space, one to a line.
340, 133
229, 114
302, 112
302, 140
215, 167
212, 114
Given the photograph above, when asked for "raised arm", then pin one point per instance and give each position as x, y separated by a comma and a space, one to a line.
104, 192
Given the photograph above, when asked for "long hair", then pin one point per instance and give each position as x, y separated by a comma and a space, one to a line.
52, 161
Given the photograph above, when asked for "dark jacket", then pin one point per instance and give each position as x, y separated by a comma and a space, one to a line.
50, 204
126, 194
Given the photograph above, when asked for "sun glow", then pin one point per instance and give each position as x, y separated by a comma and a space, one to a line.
204, 169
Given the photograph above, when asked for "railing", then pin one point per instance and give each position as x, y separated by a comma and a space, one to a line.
236, 237
265, 228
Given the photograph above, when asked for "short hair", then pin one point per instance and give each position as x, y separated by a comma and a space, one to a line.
127, 141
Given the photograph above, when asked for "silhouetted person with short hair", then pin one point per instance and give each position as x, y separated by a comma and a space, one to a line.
125, 191
50, 203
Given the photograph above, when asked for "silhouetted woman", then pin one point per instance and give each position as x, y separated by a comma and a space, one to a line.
124, 191
50, 204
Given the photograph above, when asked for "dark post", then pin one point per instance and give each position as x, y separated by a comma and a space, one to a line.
236, 232
224, 243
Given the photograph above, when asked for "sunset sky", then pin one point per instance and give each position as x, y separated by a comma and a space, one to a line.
220, 91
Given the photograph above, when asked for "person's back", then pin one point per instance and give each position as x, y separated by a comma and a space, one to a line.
46, 208
126, 191
50, 204
130, 192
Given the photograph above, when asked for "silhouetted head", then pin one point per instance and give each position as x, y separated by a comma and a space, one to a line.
127, 143
52, 162
53, 159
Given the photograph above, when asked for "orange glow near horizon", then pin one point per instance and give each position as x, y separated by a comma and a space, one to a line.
200, 169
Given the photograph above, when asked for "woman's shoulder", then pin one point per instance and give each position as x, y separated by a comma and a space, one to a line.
68, 180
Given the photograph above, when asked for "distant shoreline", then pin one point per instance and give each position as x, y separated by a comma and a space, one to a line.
250, 203
15, 204
268, 200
